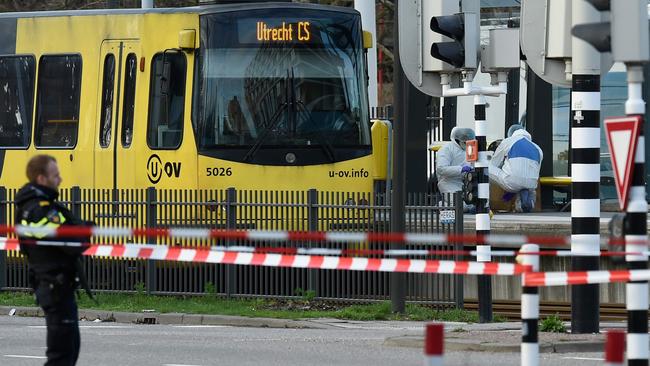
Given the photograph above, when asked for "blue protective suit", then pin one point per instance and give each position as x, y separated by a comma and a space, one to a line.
516, 162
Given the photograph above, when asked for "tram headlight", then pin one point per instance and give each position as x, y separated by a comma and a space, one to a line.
290, 158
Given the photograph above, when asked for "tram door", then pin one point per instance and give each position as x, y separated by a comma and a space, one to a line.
114, 154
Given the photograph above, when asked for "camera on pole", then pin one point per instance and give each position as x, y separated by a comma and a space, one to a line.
470, 187
462, 51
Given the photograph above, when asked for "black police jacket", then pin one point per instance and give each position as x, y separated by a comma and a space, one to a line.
36, 206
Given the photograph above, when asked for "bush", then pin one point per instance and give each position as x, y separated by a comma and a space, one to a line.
306, 295
552, 324
139, 288
210, 289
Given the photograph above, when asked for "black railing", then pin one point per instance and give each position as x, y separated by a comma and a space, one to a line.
242, 210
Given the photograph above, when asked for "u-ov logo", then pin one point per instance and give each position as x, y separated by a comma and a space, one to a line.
156, 168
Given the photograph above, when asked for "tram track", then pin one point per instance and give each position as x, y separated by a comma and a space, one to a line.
511, 309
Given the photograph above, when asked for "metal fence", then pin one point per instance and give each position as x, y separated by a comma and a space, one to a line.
243, 210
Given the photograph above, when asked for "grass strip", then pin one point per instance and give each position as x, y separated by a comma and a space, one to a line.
263, 308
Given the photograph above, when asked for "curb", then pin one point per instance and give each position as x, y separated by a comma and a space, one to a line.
172, 318
477, 346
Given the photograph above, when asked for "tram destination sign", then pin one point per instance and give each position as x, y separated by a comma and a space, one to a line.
253, 31
285, 32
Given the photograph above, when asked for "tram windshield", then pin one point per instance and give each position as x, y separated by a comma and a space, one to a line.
266, 81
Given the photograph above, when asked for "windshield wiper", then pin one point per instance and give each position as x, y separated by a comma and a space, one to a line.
274, 121
292, 104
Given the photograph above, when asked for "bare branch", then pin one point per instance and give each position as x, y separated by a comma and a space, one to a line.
388, 3
386, 51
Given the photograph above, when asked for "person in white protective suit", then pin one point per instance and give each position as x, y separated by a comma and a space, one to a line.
450, 160
515, 167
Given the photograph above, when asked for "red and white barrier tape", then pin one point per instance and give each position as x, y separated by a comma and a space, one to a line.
317, 236
158, 252
348, 252
161, 252
541, 279
227, 256
280, 236
9, 244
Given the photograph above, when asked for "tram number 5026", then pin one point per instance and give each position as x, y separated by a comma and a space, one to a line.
218, 172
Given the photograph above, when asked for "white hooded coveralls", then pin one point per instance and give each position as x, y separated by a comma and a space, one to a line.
516, 162
449, 163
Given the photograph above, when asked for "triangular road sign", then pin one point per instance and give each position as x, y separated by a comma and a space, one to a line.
622, 136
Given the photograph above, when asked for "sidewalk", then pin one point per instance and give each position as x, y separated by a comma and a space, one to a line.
506, 337
493, 337
535, 223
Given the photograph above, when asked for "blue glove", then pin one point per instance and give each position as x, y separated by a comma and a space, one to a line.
508, 196
466, 168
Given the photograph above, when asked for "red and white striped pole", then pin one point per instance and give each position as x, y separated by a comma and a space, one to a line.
529, 308
615, 348
434, 340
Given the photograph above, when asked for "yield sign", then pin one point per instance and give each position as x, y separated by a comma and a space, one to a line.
622, 136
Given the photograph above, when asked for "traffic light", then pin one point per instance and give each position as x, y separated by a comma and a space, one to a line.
596, 34
463, 29
625, 35
629, 20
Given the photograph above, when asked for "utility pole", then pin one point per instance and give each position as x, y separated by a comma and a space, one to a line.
398, 197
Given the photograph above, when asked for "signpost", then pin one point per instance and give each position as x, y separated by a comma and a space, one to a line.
622, 136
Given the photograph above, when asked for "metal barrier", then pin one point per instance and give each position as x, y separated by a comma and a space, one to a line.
269, 210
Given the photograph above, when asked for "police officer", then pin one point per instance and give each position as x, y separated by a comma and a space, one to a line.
54, 270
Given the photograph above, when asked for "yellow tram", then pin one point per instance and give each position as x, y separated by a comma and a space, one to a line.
266, 96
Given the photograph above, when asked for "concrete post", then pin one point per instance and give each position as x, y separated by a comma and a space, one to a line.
434, 343
615, 348
529, 309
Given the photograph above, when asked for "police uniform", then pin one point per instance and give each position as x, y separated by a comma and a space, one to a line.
54, 271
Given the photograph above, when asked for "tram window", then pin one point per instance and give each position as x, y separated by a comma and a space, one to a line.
16, 100
105, 120
166, 101
57, 101
129, 99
